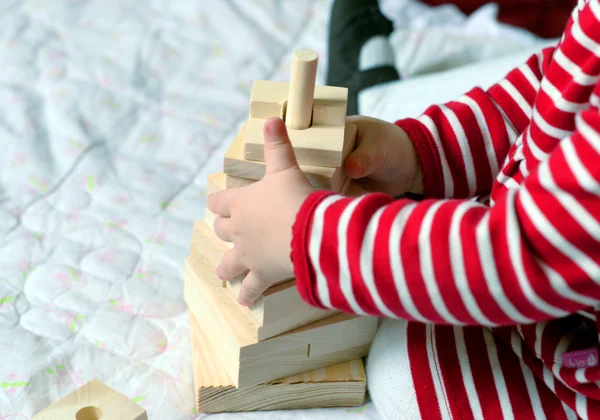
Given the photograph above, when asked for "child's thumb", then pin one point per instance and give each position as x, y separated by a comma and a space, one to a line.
359, 164
279, 154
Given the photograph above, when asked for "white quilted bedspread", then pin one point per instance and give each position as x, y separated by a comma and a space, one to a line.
112, 114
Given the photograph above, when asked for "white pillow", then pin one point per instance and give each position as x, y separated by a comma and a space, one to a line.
410, 97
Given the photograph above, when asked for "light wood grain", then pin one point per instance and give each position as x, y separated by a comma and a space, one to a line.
301, 93
248, 361
339, 385
235, 164
93, 401
237, 182
268, 100
279, 310
318, 145
323, 143
330, 105
215, 182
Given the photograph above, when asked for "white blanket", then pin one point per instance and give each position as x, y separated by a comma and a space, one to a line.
112, 114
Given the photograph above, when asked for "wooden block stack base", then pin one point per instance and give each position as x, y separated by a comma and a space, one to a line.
249, 361
341, 385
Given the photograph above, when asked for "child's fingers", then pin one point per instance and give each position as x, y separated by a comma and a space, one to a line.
252, 289
279, 153
231, 266
220, 203
223, 228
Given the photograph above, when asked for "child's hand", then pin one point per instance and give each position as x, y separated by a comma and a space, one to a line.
258, 218
384, 157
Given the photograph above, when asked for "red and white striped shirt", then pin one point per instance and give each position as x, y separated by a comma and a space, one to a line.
524, 260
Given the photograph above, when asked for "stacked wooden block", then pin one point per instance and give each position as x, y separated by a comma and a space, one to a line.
279, 353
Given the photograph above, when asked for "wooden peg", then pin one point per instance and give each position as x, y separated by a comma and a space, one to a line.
302, 90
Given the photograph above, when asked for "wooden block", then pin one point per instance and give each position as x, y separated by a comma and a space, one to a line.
93, 401
237, 182
340, 385
324, 143
279, 310
319, 145
220, 181
268, 99
248, 362
321, 178
215, 183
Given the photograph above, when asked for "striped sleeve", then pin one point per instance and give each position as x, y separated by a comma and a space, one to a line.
462, 145
534, 256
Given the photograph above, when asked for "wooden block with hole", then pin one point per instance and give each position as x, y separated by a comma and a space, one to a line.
247, 360
315, 116
93, 401
322, 178
339, 385
279, 310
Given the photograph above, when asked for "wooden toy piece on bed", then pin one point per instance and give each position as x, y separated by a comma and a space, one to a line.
315, 115
93, 401
234, 333
320, 177
340, 385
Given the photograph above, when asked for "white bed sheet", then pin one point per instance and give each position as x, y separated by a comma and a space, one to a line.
112, 114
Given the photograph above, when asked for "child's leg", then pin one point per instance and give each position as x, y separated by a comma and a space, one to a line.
360, 55
418, 371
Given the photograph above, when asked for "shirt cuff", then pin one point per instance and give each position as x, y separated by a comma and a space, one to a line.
303, 268
428, 156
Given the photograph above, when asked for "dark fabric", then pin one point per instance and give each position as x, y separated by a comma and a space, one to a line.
352, 23
545, 18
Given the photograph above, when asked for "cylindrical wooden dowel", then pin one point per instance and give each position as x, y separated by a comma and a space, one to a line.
302, 90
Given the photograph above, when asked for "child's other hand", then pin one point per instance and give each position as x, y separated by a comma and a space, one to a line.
258, 219
384, 160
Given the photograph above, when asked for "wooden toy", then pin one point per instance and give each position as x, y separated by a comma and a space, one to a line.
242, 353
247, 360
315, 115
93, 401
234, 163
279, 310
340, 385
237, 182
